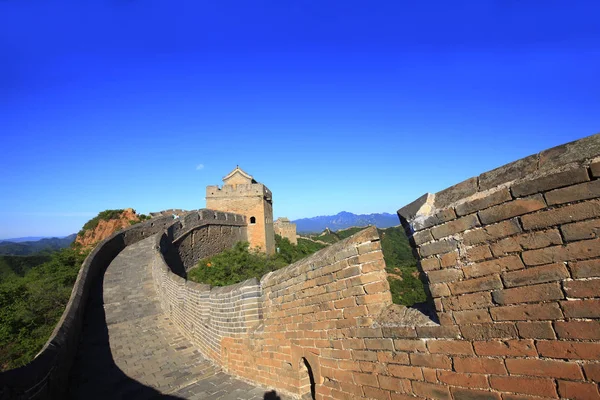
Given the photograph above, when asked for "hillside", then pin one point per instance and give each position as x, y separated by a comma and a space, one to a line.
33, 247
13, 266
345, 220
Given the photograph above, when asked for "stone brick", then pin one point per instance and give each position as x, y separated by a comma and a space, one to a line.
449, 259
437, 331
377, 287
585, 269
463, 379
431, 390
511, 396
375, 393
595, 169
569, 350
549, 182
439, 247
592, 371
476, 285
439, 290
572, 251
505, 246
394, 384
480, 365
532, 312
524, 294
456, 347
468, 301
532, 276
455, 226
581, 308
472, 394
430, 264
536, 330
511, 209
497, 330
583, 191
547, 368
509, 172
575, 152
472, 316
533, 386
431, 360
478, 253
363, 355
582, 288
483, 202
379, 344
526, 241
445, 275
365, 379
392, 357
457, 192
563, 215
439, 217
417, 345
493, 266
513, 348
587, 330
491, 232
405, 371
399, 331
578, 390
581, 230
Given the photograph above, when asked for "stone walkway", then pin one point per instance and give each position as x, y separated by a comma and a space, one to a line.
131, 350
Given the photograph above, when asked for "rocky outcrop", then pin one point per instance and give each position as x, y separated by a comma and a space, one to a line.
105, 228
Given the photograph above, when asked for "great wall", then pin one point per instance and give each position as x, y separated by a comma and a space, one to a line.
512, 258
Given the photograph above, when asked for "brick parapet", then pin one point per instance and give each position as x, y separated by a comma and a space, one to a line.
503, 255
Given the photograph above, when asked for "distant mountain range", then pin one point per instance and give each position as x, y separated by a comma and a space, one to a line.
24, 239
24, 248
345, 220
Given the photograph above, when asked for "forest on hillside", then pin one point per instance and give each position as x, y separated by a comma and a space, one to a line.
34, 291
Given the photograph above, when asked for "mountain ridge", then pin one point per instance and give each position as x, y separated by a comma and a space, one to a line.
344, 220
35, 246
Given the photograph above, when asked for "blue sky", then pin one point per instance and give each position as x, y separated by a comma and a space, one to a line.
334, 105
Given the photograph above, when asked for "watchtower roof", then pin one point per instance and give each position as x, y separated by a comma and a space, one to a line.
239, 173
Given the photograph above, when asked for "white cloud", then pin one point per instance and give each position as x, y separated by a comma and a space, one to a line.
199, 167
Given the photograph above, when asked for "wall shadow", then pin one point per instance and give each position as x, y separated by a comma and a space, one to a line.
94, 374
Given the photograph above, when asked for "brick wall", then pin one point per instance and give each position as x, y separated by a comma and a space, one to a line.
512, 258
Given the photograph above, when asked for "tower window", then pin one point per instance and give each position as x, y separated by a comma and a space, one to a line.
252, 220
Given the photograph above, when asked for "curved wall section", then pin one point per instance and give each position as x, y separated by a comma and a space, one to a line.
46, 377
204, 314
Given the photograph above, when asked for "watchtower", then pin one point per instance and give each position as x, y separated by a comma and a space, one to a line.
241, 194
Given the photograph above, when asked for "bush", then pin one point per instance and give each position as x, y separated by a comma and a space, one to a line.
240, 263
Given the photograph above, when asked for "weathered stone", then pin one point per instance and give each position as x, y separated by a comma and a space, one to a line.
454, 193
509, 172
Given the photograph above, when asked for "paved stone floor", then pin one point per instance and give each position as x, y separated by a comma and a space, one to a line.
131, 350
